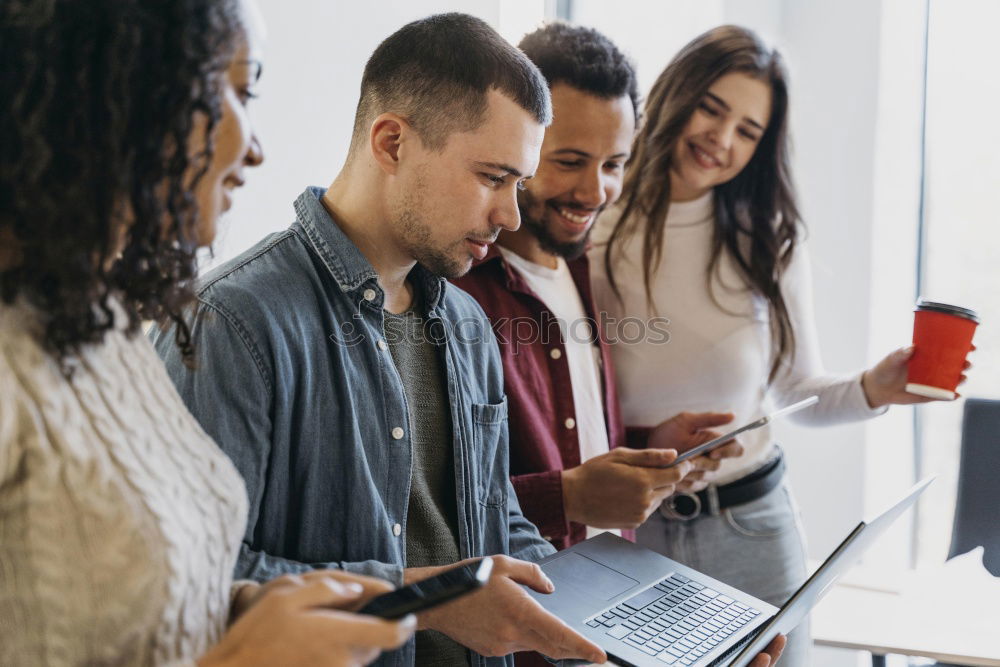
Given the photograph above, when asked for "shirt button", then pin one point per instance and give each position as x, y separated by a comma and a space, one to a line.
555, 353
382, 346
369, 294
570, 422
397, 529
397, 433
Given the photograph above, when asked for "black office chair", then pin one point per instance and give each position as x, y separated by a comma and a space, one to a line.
977, 520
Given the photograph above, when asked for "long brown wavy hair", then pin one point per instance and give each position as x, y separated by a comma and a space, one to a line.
96, 186
756, 217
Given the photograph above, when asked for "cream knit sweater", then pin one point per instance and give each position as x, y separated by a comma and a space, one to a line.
120, 519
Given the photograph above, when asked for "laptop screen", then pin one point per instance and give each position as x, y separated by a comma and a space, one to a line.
842, 558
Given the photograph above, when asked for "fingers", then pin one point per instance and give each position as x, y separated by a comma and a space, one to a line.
559, 641
693, 486
704, 463
522, 572
320, 592
701, 437
730, 450
286, 581
697, 421
775, 648
900, 356
658, 478
369, 631
371, 585
646, 458
892, 363
374, 583
771, 653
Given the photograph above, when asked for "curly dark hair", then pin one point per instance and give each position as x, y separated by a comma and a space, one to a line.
96, 186
582, 58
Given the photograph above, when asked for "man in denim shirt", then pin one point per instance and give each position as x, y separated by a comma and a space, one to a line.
335, 427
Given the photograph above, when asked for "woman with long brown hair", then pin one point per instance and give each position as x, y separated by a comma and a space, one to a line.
125, 131
707, 233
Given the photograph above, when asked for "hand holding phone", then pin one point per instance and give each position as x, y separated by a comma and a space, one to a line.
431, 592
706, 447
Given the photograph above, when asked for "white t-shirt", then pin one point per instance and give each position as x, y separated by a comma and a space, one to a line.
556, 289
718, 355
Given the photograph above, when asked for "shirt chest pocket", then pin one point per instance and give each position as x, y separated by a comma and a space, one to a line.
490, 452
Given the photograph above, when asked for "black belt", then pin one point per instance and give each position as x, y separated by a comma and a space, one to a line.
759, 483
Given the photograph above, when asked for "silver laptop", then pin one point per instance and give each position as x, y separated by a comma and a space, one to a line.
645, 609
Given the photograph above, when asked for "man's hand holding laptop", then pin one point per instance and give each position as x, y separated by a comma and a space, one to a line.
502, 618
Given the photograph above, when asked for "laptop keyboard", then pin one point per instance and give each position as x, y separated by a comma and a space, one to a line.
677, 620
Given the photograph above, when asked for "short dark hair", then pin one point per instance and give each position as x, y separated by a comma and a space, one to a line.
99, 94
584, 59
436, 72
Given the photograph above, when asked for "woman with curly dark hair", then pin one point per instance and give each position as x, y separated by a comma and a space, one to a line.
124, 132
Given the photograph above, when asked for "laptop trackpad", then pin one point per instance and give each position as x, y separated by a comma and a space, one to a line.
588, 576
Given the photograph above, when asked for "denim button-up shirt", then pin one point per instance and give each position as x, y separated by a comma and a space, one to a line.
294, 382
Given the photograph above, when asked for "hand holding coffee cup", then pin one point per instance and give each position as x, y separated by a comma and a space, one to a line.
942, 338
939, 348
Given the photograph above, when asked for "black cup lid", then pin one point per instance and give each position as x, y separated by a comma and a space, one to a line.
948, 309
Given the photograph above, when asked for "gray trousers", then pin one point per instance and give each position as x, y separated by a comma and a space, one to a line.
757, 547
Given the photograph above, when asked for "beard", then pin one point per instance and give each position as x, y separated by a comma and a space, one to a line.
416, 239
452, 261
568, 250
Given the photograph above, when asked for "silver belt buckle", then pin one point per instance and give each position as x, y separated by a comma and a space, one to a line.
682, 506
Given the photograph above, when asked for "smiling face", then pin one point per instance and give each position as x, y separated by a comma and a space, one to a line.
581, 168
452, 203
235, 144
721, 136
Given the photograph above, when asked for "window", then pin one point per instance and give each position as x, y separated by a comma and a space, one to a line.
962, 228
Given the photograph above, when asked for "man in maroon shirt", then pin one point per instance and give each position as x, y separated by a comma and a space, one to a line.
535, 288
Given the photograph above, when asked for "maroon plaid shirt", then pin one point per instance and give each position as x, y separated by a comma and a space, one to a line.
543, 442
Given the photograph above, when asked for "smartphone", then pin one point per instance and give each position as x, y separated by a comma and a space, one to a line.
431, 592
706, 447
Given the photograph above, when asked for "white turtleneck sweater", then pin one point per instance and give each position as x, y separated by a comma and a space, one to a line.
120, 519
718, 356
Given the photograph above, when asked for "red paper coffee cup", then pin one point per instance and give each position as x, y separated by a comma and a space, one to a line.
942, 337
